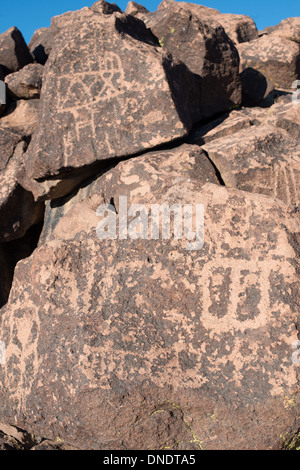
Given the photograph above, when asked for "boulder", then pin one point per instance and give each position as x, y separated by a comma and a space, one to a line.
22, 116
14, 53
142, 344
99, 104
26, 83
8, 141
255, 87
135, 9
40, 45
287, 117
263, 159
18, 210
205, 49
277, 58
288, 29
240, 28
147, 172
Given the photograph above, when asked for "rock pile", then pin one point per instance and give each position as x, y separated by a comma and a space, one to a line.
140, 342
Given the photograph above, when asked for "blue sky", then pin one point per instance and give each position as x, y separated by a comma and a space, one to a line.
29, 15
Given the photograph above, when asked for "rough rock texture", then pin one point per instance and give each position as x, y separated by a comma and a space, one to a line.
11, 252
18, 210
288, 29
275, 57
255, 87
226, 125
8, 141
27, 83
240, 28
40, 44
286, 116
153, 340
120, 100
22, 116
206, 50
145, 344
14, 53
148, 172
262, 159
135, 9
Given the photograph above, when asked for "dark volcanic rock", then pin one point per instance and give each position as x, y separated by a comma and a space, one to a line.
255, 87
18, 210
240, 28
275, 57
262, 159
146, 173
14, 53
114, 101
206, 50
135, 9
288, 29
22, 116
41, 44
142, 344
27, 83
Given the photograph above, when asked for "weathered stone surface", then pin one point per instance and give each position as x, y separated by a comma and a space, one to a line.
147, 172
10, 253
135, 9
144, 345
275, 57
40, 44
14, 53
105, 8
22, 116
262, 159
52, 445
9, 443
226, 125
255, 87
206, 50
240, 28
288, 29
8, 141
286, 116
18, 210
99, 104
26, 83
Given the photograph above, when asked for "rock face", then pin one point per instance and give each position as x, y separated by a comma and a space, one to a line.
240, 28
22, 116
147, 172
150, 232
206, 50
27, 83
14, 53
275, 57
135, 9
133, 104
173, 346
255, 87
288, 29
263, 160
40, 45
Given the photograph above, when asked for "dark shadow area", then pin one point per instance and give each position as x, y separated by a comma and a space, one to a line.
11, 253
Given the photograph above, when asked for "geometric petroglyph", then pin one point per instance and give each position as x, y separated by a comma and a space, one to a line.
235, 295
